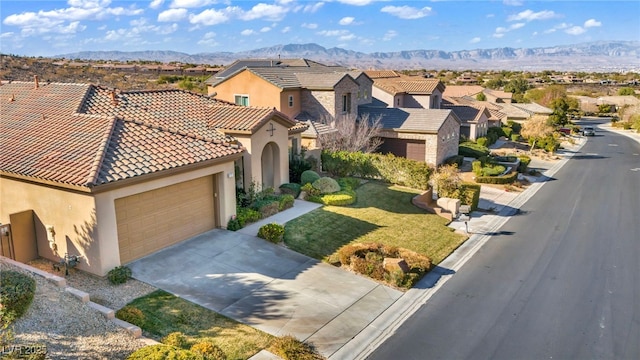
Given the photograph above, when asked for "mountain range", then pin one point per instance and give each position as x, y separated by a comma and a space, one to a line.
609, 56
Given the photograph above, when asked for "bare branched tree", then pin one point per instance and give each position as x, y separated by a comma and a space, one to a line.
353, 134
536, 128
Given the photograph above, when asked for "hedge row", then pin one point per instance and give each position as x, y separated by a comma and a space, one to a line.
471, 149
389, 168
506, 179
470, 195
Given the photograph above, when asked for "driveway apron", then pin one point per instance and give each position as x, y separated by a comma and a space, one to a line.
268, 287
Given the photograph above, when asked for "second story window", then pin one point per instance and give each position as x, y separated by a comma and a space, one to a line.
346, 103
242, 100
290, 100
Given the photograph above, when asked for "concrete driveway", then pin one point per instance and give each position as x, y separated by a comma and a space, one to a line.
268, 287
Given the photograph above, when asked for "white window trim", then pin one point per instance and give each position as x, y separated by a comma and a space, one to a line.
242, 96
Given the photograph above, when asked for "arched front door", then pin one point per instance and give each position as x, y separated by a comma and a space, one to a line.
270, 165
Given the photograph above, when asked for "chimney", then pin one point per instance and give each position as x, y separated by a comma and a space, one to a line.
35, 79
114, 101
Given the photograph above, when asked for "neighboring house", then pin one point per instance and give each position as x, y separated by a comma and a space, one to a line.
429, 135
114, 176
498, 96
474, 121
496, 117
523, 112
457, 91
402, 91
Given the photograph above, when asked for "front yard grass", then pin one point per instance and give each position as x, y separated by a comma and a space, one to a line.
165, 313
383, 214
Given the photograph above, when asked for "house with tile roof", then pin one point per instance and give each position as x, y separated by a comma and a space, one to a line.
474, 120
115, 175
403, 91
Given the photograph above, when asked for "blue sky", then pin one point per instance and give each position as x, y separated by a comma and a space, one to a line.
45, 28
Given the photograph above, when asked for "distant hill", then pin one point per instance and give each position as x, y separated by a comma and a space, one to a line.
589, 57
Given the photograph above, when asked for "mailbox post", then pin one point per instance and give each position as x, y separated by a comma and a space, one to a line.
465, 210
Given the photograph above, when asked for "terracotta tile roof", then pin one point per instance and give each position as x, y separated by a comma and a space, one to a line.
468, 113
462, 90
498, 93
274, 64
380, 74
321, 81
408, 85
299, 127
408, 119
68, 133
494, 109
534, 108
514, 112
244, 118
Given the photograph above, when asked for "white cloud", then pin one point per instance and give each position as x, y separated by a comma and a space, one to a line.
247, 32
209, 17
407, 12
513, 2
266, 11
209, 39
489, 16
498, 35
172, 15
575, 30
311, 8
347, 20
549, 31
529, 15
190, 3
500, 31
309, 26
286, 29
475, 40
7, 35
155, 4
389, 35
356, 2
336, 33
265, 29
592, 23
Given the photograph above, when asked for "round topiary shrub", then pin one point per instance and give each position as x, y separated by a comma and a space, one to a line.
176, 339
16, 295
162, 351
272, 232
308, 177
326, 185
209, 351
131, 314
119, 275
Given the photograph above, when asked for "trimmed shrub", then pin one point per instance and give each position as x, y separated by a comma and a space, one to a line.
403, 171
471, 149
515, 137
291, 189
349, 183
326, 185
272, 232
495, 131
515, 126
506, 179
290, 348
208, 350
234, 224
308, 177
16, 296
119, 275
482, 141
131, 314
476, 167
297, 165
524, 163
470, 195
247, 215
162, 351
507, 131
340, 198
176, 339
455, 159
267, 207
286, 201
493, 170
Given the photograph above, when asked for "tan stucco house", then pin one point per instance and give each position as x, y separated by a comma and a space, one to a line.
402, 91
116, 175
474, 121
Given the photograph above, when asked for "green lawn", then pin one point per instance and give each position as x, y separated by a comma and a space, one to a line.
165, 313
383, 214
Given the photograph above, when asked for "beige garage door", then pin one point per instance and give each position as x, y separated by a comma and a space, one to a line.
150, 221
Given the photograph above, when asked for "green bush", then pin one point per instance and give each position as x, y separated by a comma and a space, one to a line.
208, 350
349, 183
162, 352
326, 185
247, 215
290, 348
495, 131
515, 126
131, 314
340, 198
476, 167
234, 224
119, 275
291, 189
471, 149
297, 165
470, 195
515, 137
493, 170
286, 201
344, 163
455, 159
482, 141
16, 296
176, 339
267, 207
507, 131
402, 171
272, 232
524, 163
308, 177
506, 179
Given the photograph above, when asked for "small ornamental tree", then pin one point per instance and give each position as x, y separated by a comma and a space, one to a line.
535, 129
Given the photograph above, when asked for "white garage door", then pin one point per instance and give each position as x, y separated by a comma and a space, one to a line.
150, 221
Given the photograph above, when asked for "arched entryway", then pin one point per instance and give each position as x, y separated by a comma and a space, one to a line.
270, 165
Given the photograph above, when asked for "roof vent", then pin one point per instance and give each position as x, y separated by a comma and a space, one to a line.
114, 100
12, 98
35, 79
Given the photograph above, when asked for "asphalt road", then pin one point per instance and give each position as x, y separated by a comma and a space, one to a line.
565, 282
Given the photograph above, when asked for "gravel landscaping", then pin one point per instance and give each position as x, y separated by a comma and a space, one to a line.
69, 328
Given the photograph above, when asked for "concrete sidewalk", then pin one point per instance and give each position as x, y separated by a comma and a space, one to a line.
300, 207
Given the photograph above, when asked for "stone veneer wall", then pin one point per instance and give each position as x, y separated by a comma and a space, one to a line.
439, 149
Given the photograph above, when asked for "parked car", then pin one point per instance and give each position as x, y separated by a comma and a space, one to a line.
588, 131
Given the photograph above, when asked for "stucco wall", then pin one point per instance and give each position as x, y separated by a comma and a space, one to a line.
290, 111
71, 213
383, 96
261, 92
365, 85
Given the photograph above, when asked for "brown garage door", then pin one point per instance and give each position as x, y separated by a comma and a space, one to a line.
411, 149
150, 221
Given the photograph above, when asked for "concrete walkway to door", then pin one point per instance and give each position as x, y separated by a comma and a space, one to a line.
268, 287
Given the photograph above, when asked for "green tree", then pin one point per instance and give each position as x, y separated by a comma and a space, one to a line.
559, 116
626, 91
604, 108
481, 97
517, 86
535, 129
494, 83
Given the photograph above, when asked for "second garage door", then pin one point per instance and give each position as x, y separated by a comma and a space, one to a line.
150, 221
